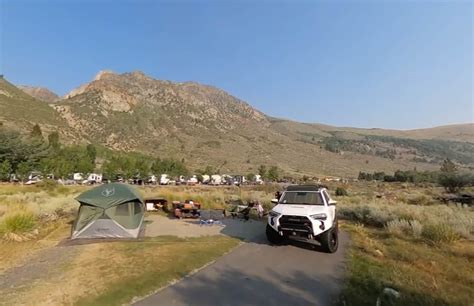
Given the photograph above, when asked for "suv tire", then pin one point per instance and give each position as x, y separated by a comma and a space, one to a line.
273, 237
330, 239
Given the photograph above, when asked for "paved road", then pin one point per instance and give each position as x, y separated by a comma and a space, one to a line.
259, 274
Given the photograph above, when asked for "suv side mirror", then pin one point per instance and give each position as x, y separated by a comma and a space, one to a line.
275, 201
332, 202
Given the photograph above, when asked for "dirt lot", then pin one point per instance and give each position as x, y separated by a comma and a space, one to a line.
158, 225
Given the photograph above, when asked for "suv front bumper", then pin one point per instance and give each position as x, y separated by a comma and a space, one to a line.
287, 225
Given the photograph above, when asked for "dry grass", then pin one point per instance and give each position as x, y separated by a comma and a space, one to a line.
402, 206
424, 274
123, 275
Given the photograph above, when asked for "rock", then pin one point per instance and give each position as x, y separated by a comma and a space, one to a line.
388, 297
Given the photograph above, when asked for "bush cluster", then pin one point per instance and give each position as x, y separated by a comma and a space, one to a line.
18, 223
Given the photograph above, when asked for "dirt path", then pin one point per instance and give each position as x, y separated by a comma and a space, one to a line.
259, 274
42, 266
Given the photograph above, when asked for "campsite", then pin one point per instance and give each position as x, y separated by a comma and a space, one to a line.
40, 261
236, 153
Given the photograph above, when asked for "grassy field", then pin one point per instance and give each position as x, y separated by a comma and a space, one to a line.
131, 269
402, 238
423, 273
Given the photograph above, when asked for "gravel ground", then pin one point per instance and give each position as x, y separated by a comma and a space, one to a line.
157, 225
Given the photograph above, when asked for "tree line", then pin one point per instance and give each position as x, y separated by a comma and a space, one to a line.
448, 176
22, 154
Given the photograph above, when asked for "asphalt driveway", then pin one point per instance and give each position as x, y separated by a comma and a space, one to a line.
257, 273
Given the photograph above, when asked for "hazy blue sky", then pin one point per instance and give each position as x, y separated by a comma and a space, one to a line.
390, 64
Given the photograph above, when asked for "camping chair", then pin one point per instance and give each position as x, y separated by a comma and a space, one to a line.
244, 213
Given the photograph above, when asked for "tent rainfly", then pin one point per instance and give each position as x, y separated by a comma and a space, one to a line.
109, 211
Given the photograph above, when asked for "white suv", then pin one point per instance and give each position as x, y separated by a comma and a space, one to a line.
306, 212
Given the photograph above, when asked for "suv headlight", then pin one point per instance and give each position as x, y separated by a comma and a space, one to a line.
321, 216
273, 214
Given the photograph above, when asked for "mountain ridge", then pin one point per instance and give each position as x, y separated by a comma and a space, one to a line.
207, 126
40, 93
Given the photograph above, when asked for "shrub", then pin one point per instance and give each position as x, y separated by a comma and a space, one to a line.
440, 233
398, 226
19, 223
420, 200
405, 227
416, 228
341, 192
368, 215
47, 184
452, 182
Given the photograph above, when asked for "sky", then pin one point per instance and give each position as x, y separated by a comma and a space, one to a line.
387, 64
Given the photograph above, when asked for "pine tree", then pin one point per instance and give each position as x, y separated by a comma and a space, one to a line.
53, 140
448, 166
36, 132
5, 170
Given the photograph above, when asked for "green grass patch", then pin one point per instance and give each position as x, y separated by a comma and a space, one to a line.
18, 223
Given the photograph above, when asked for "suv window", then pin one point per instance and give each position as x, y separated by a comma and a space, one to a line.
302, 197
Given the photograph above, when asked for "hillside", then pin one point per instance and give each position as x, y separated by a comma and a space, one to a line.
40, 93
206, 126
21, 111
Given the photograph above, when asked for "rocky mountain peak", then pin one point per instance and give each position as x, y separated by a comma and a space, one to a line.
103, 74
40, 93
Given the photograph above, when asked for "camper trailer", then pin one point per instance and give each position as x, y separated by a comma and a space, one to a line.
238, 180
152, 180
93, 178
34, 178
216, 180
78, 177
192, 180
164, 179
206, 179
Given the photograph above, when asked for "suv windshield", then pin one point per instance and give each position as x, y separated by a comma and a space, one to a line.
302, 197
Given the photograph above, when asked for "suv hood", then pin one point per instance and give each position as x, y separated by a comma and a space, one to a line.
299, 209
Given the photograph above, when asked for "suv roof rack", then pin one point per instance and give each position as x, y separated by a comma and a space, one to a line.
305, 187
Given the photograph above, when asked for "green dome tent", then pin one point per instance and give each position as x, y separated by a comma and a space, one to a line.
109, 211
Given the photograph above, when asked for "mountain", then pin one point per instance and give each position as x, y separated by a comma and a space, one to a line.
207, 126
40, 93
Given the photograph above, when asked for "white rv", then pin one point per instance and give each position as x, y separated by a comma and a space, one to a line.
93, 178
206, 179
164, 179
216, 179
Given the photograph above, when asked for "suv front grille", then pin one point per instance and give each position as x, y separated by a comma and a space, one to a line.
295, 223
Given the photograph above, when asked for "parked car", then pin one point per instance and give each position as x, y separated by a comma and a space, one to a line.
307, 213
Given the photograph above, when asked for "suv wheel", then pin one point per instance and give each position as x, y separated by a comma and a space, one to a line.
330, 239
273, 236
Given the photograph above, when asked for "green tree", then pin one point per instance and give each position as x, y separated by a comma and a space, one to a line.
452, 182
262, 171
23, 170
91, 153
142, 166
250, 177
209, 170
448, 166
36, 132
5, 170
273, 173
110, 169
53, 140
